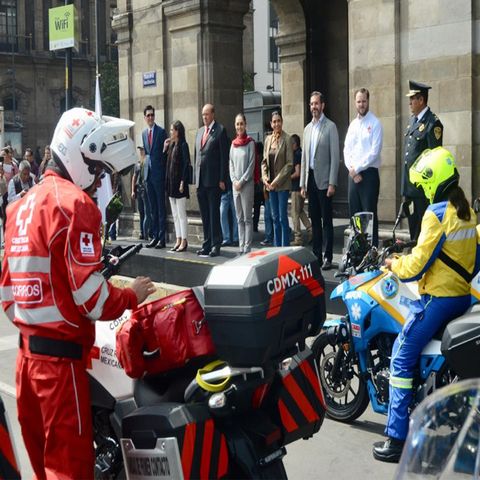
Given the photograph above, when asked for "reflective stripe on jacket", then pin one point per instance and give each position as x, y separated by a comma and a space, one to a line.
459, 239
51, 283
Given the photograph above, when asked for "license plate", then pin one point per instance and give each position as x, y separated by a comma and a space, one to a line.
162, 462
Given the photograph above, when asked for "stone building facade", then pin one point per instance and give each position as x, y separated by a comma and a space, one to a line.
195, 49
32, 79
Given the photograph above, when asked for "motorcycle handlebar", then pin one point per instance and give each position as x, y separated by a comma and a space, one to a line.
114, 264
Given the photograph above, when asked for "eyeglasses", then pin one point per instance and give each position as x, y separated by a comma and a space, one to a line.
150, 115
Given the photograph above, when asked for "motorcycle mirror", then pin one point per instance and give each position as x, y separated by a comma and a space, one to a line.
406, 209
113, 209
476, 205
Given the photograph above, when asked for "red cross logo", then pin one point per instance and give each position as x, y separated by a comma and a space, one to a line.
89, 113
76, 122
94, 354
260, 253
86, 239
25, 214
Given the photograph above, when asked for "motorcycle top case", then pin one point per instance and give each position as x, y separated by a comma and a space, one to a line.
261, 305
461, 343
202, 448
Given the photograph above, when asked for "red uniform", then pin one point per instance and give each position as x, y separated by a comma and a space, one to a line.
52, 289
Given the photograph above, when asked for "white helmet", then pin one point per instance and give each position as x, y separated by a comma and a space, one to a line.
82, 138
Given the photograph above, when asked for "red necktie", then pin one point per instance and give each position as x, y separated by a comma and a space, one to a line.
150, 138
205, 136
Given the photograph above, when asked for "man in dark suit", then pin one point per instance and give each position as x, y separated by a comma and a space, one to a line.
211, 169
423, 131
154, 137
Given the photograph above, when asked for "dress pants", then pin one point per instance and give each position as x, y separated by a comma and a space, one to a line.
363, 197
298, 213
320, 209
243, 200
156, 196
420, 204
209, 203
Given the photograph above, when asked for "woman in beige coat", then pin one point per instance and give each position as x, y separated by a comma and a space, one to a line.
276, 169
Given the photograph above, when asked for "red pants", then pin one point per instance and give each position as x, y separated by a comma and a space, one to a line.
53, 400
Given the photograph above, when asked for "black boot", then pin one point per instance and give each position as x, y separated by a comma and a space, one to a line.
388, 451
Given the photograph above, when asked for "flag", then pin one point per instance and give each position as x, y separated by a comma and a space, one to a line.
98, 100
104, 192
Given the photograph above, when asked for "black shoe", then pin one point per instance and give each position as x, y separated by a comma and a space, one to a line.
389, 451
152, 243
225, 243
266, 243
203, 253
327, 265
214, 252
160, 245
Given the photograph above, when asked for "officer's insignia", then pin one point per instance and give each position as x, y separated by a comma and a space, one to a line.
437, 132
421, 128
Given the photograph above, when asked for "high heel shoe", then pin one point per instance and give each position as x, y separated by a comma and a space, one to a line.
182, 249
175, 247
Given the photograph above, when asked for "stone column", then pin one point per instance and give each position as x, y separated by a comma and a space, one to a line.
291, 41
374, 63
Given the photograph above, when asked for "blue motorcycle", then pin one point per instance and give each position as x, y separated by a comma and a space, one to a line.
353, 352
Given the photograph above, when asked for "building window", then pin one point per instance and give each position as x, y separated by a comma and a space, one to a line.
8, 26
273, 63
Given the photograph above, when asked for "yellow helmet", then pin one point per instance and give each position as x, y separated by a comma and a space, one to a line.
435, 172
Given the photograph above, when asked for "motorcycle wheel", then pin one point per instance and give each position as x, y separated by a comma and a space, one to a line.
346, 398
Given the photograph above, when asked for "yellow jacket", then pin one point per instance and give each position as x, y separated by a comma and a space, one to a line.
441, 230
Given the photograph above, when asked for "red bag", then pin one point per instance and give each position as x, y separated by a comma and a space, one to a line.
172, 330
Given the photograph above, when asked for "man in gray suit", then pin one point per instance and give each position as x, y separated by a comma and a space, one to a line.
211, 169
318, 176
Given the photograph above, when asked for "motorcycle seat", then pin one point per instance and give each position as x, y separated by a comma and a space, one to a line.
168, 386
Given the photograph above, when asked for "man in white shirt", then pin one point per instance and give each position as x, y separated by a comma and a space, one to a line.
363, 146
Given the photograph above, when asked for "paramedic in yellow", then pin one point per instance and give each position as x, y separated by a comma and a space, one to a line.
444, 263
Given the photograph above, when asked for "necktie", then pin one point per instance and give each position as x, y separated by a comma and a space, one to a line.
150, 138
205, 136
415, 120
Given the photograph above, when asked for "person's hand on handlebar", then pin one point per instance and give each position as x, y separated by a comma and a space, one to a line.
143, 287
388, 263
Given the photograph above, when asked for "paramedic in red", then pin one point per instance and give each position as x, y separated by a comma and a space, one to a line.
52, 289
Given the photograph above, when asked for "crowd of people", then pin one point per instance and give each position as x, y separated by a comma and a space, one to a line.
18, 176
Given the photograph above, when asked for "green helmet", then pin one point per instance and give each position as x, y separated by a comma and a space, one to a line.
435, 172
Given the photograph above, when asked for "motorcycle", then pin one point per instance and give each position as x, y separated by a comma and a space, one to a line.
9, 465
232, 418
353, 352
444, 434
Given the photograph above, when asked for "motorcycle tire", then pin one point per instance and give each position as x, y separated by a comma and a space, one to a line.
337, 391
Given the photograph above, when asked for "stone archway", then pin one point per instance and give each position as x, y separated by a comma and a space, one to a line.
313, 41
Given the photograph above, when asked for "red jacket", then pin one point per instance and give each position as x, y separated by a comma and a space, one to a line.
51, 284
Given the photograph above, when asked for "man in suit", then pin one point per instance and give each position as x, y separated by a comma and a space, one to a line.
423, 131
318, 176
154, 137
211, 169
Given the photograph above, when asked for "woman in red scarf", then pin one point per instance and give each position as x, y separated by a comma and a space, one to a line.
242, 164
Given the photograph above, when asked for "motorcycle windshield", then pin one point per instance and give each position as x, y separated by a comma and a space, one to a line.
444, 435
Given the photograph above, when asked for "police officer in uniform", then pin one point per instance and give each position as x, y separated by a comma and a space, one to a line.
423, 131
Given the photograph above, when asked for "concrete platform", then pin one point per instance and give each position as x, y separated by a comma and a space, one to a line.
188, 269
